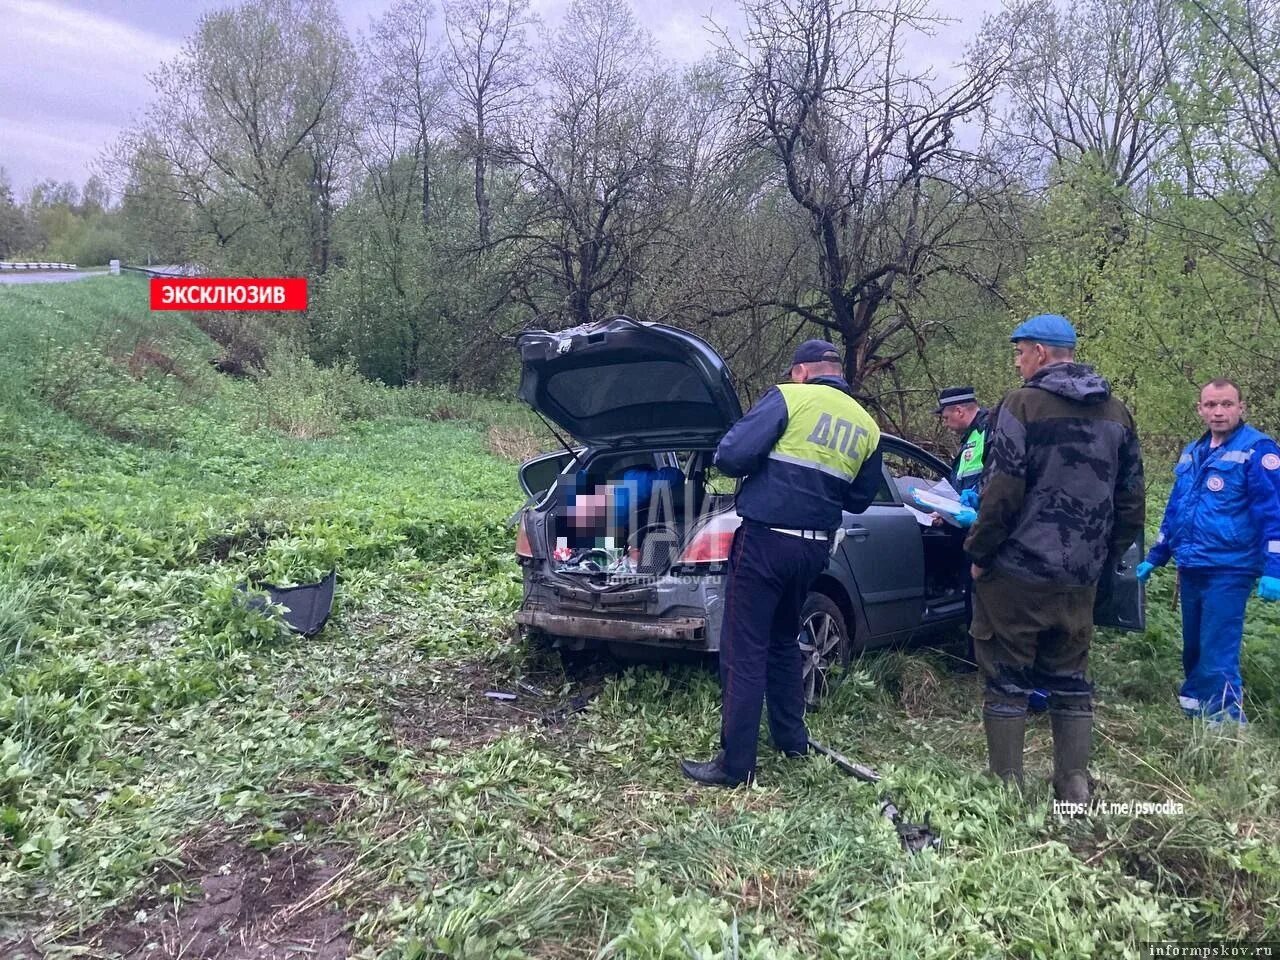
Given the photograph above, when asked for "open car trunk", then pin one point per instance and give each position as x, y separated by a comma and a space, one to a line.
626, 517
623, 383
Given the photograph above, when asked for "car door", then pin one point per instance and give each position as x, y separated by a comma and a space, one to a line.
1121, 601
883, 551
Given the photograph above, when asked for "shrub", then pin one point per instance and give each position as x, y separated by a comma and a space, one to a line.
91, 389
244, 347
303, 400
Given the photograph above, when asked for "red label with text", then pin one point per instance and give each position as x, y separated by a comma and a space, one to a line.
229, 293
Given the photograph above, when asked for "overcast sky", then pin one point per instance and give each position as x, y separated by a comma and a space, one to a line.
73, 73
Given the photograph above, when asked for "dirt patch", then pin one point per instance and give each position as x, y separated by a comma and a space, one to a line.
238, 903
246, 537
515, 443
148, 357
475, 702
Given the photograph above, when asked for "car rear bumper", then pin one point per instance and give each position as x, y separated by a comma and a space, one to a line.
682, 630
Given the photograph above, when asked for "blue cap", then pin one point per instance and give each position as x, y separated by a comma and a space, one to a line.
1051, 329
816, 351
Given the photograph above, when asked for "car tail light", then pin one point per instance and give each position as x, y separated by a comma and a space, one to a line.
523, 548
712, 541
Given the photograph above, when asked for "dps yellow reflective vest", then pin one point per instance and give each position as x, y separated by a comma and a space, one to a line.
966, 469
807, 451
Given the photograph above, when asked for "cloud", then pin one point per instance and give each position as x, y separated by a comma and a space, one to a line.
684, 36
72, 80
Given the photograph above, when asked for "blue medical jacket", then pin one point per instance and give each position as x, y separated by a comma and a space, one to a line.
1224, 511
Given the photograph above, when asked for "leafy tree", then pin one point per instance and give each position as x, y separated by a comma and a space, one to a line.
17, 233
250, 124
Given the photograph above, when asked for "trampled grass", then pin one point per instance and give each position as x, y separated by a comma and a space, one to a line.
176, 771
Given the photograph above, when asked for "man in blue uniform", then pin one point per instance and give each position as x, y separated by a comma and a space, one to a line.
807, 451
1222, 527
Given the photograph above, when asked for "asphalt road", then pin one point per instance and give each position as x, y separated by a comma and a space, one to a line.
44, 276
63, 276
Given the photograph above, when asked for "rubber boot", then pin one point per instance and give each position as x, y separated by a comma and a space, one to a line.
1005, 736
1072, 739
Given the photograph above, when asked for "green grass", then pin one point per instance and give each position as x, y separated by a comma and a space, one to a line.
148, 724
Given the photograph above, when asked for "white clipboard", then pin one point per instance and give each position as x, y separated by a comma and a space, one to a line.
945, 507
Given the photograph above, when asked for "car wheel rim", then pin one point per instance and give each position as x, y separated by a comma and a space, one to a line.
820, 649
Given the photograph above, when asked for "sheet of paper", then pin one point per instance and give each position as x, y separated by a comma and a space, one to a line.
922, 518
943, 488
932, 501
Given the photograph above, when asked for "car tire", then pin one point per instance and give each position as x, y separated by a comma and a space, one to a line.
825, 646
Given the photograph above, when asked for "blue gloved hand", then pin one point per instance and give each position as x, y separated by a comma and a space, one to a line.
1144, 571
1269, 588
969, 498
965, 516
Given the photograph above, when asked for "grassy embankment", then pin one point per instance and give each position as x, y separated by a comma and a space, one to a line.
175, 770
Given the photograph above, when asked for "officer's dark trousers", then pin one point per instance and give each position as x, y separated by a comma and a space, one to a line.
768, 575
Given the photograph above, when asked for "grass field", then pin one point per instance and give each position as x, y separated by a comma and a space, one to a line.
178, 778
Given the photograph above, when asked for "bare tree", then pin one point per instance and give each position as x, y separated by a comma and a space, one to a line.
869, 153
249, 127
488, 73
406, 89
599, 164
1235, 121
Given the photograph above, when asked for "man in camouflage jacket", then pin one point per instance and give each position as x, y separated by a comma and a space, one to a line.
1062, 496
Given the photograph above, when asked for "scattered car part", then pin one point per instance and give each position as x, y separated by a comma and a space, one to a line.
860, 771
576, 705
529, 688
913, 836
306, 606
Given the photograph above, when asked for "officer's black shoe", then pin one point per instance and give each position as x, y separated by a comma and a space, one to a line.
711, 772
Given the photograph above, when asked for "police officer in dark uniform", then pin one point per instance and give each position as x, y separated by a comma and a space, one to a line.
807, 451
959, 410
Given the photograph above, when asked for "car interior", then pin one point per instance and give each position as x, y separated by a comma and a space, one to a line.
944, 559
631, 513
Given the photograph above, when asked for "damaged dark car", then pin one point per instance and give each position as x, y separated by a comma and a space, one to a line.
625, 534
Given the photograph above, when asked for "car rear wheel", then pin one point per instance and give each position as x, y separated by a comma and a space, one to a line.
824, 646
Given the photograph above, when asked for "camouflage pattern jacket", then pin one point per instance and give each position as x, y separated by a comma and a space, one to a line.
1062, 485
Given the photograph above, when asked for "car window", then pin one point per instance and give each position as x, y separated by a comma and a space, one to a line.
903, 464
538, 474
885, 493
907, 470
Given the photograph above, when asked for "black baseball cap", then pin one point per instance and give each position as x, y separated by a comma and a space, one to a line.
953, 395
816, 351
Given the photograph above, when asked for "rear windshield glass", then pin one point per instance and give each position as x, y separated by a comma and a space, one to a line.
590, 391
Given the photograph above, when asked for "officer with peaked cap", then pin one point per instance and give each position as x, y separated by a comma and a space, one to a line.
807, 451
